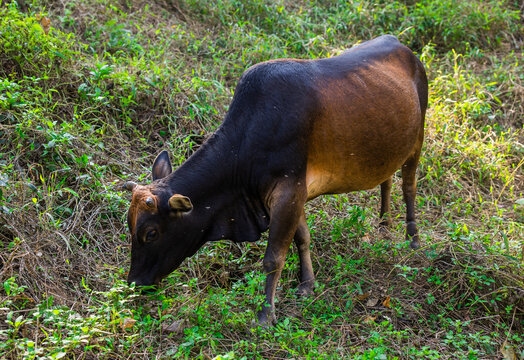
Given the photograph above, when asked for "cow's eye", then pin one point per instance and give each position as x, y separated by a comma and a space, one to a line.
151, 235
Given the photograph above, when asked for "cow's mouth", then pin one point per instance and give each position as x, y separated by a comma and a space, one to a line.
157, 280
144, 281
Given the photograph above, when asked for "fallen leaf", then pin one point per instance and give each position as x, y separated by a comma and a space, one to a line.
175, 327
128, 323
386, 302
508, 351
46, 24
372, 302
363, 296
369, 319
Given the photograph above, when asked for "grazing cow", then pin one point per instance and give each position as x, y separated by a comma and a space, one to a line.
296, 129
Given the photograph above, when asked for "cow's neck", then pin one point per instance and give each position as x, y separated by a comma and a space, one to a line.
206, 169
210, 177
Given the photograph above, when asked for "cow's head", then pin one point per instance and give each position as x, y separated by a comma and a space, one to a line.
160, 226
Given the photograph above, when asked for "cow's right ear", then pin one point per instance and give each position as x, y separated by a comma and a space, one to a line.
180, 203
161, 166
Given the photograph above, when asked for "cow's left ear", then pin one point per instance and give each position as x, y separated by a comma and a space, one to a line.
181, 203
161, 166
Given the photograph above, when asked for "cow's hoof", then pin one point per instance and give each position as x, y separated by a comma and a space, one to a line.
266, 318
305, 289
414, 244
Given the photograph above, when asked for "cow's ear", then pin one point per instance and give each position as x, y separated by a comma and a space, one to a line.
161, 166
181, 203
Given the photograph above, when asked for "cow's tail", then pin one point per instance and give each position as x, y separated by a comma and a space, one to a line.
421, 82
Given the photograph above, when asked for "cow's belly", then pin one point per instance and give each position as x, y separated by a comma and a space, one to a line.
339, 164
346, 177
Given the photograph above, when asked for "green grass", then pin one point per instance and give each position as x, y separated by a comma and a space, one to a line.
89, 104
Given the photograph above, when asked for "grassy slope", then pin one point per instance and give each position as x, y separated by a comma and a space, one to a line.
89, 104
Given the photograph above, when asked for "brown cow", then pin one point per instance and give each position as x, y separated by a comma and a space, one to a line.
296, 129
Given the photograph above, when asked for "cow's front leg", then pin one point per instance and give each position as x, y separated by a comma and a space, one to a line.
285, 213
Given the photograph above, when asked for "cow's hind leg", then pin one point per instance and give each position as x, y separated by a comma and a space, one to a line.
409, 188
385, 201
302, 240
287, 203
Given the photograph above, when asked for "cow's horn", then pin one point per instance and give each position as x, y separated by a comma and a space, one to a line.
129, 186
